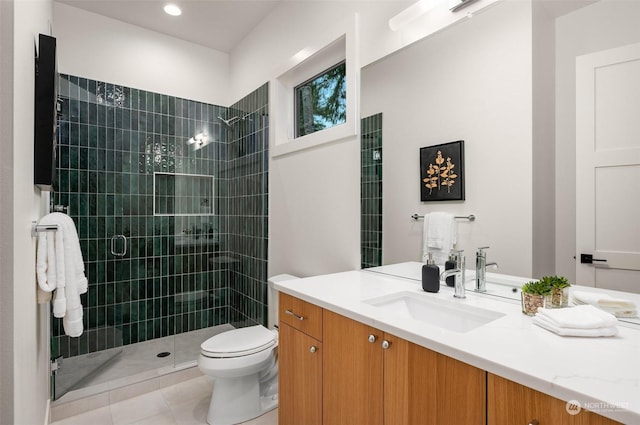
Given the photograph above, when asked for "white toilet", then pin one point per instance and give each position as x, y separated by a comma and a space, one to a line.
244, 366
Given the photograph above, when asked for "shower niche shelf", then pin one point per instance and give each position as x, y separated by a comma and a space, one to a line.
183, 194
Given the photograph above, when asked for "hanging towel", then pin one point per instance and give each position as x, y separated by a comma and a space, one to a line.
46, 262
583, 320
438, 236
617, 307
65, 258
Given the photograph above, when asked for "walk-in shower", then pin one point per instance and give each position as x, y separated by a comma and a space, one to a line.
173, 227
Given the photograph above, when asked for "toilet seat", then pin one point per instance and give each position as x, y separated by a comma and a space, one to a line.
239, 342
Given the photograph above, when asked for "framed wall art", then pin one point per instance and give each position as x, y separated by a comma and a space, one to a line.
442, 172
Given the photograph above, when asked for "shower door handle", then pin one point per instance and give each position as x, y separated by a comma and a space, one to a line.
123, 252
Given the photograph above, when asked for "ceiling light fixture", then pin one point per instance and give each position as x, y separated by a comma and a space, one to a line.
411, 13
172, 9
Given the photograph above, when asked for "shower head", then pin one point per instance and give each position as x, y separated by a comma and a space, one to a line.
229, 122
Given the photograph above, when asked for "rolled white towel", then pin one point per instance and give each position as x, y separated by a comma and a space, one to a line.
578, 317
596, 332
616, 306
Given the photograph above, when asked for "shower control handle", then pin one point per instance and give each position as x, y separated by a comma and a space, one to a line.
123, 252
291, 313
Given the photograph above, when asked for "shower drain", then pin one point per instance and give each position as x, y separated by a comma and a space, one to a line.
163, 354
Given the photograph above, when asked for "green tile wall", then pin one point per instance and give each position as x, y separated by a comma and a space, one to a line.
179, 269
371, 191
247, 203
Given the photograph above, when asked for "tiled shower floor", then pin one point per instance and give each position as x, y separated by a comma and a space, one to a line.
123, 366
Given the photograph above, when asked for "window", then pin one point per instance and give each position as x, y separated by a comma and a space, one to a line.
315, 99
321, 102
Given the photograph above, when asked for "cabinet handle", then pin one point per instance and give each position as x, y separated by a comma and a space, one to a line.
385, 344
534, 422
313, 349
372, 338
291, 313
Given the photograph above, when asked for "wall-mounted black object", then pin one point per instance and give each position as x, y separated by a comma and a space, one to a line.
45, 113
442, 172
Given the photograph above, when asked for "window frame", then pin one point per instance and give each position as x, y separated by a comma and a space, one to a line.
303, 66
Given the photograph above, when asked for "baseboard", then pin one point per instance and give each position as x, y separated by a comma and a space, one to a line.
47, 412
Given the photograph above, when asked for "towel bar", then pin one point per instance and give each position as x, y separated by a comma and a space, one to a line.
470, 217
37, 228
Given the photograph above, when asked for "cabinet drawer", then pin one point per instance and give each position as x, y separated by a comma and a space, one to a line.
301, 315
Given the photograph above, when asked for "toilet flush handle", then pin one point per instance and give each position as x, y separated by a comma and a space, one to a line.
291, 313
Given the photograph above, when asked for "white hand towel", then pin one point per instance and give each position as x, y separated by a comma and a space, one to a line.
73, 254
617, 307
46, 262
69, 273
596, 332
578, 317
60, 299
439, 236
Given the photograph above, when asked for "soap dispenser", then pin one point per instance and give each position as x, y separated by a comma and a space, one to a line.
451, 264
430, 276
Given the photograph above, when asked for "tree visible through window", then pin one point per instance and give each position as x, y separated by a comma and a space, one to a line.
321, 102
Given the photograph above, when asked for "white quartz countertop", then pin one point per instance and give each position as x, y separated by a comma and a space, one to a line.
602, 374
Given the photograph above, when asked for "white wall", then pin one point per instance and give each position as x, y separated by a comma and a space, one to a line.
314, 203
293, 26
603, 25
6, 212
104, 49
472, 82
30, 341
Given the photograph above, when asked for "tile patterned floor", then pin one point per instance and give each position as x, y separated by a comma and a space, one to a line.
185, 403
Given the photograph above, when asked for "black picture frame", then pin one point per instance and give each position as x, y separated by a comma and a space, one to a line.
442, 172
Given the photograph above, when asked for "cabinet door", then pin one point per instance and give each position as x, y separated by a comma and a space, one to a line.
352, 374
424, 387
300, 378
512, 403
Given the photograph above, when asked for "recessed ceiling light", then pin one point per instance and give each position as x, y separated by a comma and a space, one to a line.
173, 10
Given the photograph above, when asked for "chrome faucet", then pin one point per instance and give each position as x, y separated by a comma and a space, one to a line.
458, 273
481, 269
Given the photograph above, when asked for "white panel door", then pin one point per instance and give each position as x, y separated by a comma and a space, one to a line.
608, 169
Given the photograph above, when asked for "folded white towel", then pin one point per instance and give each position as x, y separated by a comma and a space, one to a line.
439, 236
596, 332
70, 280
617, 307
578, 317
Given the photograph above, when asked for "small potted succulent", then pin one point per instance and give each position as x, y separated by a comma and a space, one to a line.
533, 296
559, 296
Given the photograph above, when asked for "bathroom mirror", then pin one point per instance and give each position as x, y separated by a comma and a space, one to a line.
472, 82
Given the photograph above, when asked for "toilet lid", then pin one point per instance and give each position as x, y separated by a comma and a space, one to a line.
239, 342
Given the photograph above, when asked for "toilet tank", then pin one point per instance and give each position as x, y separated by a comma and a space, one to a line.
272, 297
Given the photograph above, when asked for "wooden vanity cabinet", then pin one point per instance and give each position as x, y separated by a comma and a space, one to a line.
334, 370
371, 377
511, 403
353, 379
300, 353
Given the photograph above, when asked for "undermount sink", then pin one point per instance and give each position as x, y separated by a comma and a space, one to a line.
455, 316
